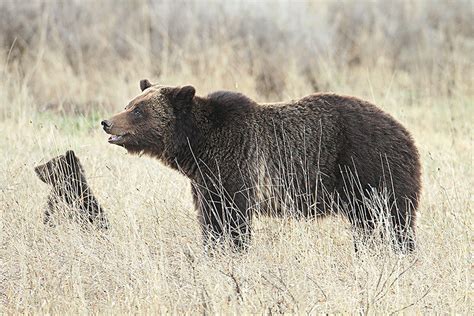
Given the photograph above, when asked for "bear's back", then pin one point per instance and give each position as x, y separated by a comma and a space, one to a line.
229, 107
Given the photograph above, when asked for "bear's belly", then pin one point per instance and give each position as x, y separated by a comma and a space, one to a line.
286, 194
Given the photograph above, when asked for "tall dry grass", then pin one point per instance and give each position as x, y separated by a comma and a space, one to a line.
65, 64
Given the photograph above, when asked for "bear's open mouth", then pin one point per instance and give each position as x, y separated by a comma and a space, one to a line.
117, 139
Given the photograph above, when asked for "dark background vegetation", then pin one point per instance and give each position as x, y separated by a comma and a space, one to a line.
265, 48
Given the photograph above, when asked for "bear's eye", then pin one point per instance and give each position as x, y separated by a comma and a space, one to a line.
137, 112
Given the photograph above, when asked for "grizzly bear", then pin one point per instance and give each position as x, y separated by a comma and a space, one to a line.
70, 193
319, 155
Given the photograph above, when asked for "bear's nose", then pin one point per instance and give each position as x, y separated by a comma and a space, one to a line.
106, 124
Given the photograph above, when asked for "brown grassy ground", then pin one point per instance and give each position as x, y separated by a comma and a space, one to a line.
73, 64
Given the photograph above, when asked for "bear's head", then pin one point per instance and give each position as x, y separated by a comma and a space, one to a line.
62, 171
152, 121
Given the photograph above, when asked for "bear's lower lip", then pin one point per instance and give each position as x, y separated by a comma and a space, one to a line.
116, 139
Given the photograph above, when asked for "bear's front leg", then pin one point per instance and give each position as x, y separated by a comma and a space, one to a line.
48, 213
223, 218
239, 219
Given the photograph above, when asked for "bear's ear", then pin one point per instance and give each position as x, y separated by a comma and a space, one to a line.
41, 173
185, 93
71, 157
144, 84
74, 162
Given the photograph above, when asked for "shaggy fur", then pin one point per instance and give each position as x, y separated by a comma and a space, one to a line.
319, 155
70, 191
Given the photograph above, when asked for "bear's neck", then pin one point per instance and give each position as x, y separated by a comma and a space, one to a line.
186, 159
74, 191
189, 150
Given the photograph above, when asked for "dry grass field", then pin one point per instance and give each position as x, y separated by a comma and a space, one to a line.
65, 65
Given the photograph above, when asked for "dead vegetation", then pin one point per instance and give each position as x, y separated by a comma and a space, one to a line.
64, 63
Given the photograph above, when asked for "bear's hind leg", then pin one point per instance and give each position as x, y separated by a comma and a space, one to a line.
363, 225
403, 224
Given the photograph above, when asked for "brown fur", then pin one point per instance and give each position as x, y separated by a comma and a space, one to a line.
70, 191
322, 154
